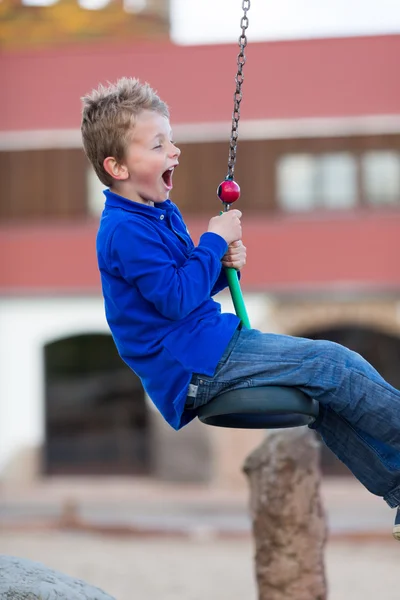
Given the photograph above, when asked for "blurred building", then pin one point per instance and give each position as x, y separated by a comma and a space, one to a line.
319, 167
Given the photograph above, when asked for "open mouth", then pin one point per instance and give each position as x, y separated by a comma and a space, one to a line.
167, 177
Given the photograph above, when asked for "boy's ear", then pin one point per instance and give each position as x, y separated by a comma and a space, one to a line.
115, 169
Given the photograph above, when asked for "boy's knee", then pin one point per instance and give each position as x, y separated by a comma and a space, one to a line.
333, 352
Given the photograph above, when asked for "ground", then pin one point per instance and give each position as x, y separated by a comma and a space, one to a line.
179, 542
169, 568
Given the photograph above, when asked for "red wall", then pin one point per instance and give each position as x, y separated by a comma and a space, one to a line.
351, 250
283, 80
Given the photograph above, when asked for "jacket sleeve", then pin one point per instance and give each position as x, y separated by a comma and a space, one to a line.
137, 253
222, 282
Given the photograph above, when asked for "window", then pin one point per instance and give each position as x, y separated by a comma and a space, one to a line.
307, 182
338, 180
129, 5
296, 182
39, 2
93, 4
381, 177
135, 5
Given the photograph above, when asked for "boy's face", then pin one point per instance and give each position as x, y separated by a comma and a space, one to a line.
150, 159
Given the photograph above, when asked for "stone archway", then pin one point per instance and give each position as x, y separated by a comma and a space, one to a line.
296, 316
97, 420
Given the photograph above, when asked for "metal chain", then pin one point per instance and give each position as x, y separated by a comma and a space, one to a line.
238, 95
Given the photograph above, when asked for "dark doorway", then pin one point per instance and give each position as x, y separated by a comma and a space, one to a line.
380, 349
96, 414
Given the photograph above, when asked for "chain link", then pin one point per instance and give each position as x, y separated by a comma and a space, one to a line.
238, 95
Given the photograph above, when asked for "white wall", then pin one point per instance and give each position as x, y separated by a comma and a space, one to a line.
26, 326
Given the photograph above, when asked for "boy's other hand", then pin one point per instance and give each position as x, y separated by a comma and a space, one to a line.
227, 225
235, 256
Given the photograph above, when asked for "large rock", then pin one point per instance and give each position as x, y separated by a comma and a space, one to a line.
289, 525
22, 579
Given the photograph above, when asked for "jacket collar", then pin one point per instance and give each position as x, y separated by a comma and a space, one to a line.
115, 201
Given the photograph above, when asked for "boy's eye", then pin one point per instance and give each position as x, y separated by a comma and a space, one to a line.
158, 146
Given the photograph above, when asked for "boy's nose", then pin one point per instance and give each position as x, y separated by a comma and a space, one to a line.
175, 151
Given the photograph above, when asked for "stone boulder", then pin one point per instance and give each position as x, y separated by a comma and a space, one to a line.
22, 579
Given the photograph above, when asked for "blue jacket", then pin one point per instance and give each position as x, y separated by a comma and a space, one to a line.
157, 289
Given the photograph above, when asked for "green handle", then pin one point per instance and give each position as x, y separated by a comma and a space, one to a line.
236, 292
237, 296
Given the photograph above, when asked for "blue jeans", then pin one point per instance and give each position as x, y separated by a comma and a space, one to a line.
359, 417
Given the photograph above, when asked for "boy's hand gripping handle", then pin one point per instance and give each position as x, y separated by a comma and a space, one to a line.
228, 192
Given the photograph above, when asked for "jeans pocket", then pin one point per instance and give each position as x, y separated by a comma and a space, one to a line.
228, 351
202, 388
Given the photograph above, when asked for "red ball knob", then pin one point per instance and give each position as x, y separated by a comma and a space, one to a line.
228, 191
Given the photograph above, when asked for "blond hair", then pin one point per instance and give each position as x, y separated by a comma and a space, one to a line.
108, 116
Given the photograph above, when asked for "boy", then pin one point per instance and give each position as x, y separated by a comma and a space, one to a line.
158, 290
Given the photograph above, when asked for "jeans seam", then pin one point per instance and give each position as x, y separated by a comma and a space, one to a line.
392, 495
337, 362
384, 460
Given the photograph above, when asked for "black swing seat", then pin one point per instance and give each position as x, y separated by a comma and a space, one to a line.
268, 407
